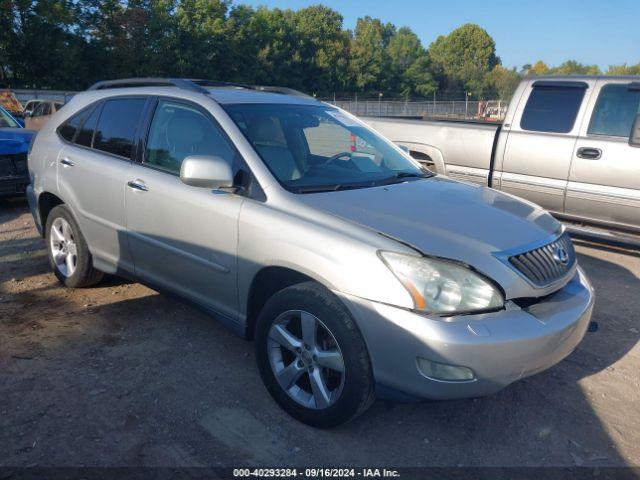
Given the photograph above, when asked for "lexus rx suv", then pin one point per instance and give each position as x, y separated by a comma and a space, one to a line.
355, 271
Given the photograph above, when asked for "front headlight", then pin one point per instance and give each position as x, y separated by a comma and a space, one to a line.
442, 287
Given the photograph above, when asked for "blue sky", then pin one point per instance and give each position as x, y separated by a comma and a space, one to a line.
594, 32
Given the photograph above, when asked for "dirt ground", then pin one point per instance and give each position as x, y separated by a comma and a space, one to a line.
120, 375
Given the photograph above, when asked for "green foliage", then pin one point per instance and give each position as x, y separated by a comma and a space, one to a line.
624, 69
370, 60
503, 81
410, 70
70, 44
466, 56
571, 67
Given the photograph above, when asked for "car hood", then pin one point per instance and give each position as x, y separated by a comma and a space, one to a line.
15, 140
449, 219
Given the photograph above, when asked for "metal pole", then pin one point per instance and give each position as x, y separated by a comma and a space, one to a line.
466, 105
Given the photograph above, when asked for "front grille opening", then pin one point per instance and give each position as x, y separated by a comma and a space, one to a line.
526, 302
547, 264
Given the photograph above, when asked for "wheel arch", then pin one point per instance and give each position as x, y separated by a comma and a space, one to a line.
47, 201
433, 155
265, 283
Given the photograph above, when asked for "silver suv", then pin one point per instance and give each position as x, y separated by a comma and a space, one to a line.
356, 271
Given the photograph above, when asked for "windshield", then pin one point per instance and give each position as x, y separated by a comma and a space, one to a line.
7, 121
313, 148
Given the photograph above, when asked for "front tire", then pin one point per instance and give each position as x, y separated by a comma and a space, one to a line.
312, 357
67, 250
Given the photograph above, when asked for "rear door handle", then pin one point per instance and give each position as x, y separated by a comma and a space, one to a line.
590, 153
66, 162
138, 185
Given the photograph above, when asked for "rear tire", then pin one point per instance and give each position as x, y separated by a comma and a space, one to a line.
312, 357
67, 250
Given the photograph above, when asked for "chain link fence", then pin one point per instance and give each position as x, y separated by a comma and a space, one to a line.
24, 95
486, 110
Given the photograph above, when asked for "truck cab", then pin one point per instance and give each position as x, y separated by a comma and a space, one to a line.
569, 144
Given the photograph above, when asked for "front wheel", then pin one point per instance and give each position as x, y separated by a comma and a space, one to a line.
312, 357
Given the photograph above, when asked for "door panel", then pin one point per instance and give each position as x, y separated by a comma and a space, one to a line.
540, 140
606, 189
184, 238
94, 188
536, 167
604, 182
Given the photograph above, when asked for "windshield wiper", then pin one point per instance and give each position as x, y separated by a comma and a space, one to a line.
332, 188
403, 175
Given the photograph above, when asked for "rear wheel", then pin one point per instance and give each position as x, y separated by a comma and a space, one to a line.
312, 357
67, 249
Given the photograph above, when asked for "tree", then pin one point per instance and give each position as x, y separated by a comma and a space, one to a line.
323, 49
370, 62
624, 69
410, 66
571, 67
466, 56
539, 68
504, 81
39, 47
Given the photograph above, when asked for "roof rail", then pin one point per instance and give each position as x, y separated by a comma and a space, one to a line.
149, 82
194, 85
282, 90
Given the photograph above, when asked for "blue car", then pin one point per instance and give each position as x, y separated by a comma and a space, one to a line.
14, 145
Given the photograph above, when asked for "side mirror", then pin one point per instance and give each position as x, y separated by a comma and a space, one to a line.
404, 148
634, 139
207, 172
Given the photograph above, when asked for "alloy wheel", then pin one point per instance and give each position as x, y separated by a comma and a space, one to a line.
306, 359
63, 247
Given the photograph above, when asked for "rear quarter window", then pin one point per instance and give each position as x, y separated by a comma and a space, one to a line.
69, 128
552, 109
85, 135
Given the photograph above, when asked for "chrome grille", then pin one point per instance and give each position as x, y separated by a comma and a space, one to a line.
545, 265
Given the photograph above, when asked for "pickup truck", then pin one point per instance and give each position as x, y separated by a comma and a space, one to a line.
568, 144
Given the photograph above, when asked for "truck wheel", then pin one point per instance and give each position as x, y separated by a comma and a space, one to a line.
67, 249
312, 357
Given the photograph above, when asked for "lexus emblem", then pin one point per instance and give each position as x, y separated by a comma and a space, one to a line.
560, 255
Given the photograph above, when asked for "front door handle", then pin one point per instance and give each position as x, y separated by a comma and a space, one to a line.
66, 162
138, 185
590, 153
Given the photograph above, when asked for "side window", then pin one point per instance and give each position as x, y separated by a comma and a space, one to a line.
615, 111
117, 126
85, 135
69, 128
552, 109
39, 110
177, 131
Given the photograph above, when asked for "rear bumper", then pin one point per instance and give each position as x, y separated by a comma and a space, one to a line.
499, 347
13, 185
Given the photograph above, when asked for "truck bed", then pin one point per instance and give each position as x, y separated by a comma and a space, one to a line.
467, 146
